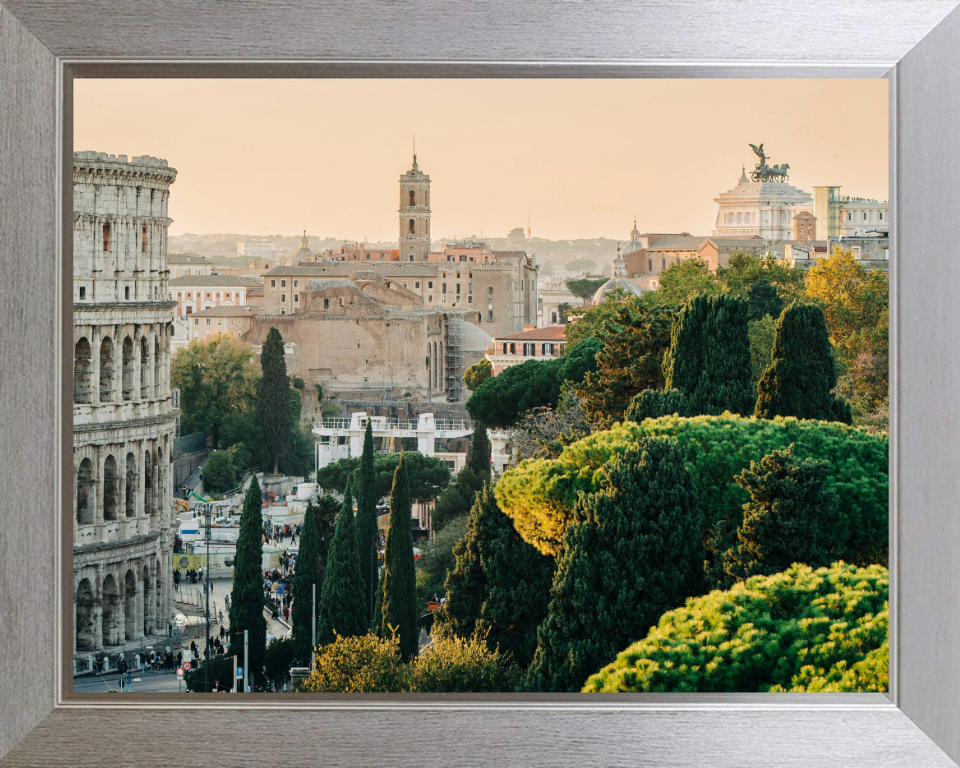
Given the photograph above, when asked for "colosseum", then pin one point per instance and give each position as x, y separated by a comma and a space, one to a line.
123, 414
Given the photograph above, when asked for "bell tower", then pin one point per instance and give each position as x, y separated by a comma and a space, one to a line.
414, 213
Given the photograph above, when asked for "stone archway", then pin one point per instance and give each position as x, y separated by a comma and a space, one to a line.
130, 605
111, 488
109, 620
85, 617
130, 491
86, 505
149, 602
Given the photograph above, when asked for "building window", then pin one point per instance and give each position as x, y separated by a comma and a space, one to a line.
126, 292
283, 310
218, 295
416, 284
443, 298
490, 290
208, 295
490, 316
404, 283
490, 303
443, 288
326, 303
470, 299
220, 323
143, 239
881, 215
341, 301
430, 284
463, 257
411, 227
368, 257
83, 292
458, 286
283, 283
283, 297
864, 215
849, 216
106, 238
296, 283
470, 288
430, 298
411, 257
196, 321
208, 321
548, 348
296, 298
529, 350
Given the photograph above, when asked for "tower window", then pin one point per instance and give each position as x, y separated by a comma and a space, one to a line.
83, 292
143, 239
413, 198
283, 297
106, 238
126, 292
411, 226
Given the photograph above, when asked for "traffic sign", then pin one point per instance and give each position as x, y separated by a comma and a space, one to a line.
279, 589
239, 672
186, 665
180, 672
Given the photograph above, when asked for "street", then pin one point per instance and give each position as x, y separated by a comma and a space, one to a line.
152, 682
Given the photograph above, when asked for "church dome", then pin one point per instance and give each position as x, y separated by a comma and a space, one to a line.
619, 280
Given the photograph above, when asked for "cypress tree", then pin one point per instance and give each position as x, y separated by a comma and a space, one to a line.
399, 610
325, 524
341, 606
480, 453
709, 356
378, 606
367, 520
801, 374
500, 584
633, 552
781, 520
763, 300
246, 597
306, 577
273, 399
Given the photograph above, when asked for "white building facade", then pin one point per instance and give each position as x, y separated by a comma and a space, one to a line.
123, 413
764, 208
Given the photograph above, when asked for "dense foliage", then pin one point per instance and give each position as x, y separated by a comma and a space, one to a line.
399, 601
479, 461
800, 630
274, 415
634, 339
341, 608
219, 474
216, 378
428, 475
497, 584
781, 521
477, 373
371, 664
456, 499
632, 551
801, 376
499, 400
436, 559
540, 494
709, 356
325, 522
763, 300
761, 333
246, 597
654, 403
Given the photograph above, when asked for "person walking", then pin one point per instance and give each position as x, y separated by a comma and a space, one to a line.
129, 678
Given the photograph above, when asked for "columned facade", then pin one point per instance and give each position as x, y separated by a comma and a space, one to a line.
414, 214
123, 414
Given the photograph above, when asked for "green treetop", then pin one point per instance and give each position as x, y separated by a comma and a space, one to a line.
366, 487
306, 578
246, 597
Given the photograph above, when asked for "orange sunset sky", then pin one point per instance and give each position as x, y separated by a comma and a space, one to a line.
582, 156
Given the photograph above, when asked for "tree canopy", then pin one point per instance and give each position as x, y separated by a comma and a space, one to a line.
274, 415
800, 630
427, 475
500, 400
477, 373
216, 378
584, 289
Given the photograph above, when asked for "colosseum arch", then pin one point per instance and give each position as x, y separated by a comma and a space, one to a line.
106, 371
127, 378
130, 605
156, 366
149, 598
109, 620
85, 617
144, 368
82, 358
86, 514
158, 467
148, 501
111, 488
130, 495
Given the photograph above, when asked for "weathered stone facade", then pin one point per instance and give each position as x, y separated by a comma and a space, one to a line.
414, 214
123, 414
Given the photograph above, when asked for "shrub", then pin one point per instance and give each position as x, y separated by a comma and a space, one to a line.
458, 665
654, 403
539, 494
361, 664
800, 630
298, 383
219, 474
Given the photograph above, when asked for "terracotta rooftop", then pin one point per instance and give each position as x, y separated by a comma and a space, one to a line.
224, 311
187, 258
211, 281
550, 333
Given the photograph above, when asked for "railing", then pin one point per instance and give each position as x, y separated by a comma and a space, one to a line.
449, 425
189, 444
390, 425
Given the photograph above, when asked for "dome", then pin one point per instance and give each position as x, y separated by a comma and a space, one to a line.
475, 339
616, 282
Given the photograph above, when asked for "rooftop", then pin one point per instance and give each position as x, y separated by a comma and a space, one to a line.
225, 311
188, 258
550, 333
213, 281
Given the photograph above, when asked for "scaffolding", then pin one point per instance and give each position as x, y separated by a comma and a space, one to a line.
454, 356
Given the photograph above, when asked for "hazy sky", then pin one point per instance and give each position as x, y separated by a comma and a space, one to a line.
582, 156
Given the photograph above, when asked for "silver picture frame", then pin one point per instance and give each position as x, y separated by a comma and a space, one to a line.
44, 46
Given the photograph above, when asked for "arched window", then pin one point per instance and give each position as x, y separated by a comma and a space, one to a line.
111, 599
127, 382
144, 369
85, 504
490, 290
411, 257
86, 635
111, 488
106, 370
411, 227
130, 496
413, 198
326, 303
130, 606
82, 392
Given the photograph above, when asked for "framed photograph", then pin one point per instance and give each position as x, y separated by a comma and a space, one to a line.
483, 475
